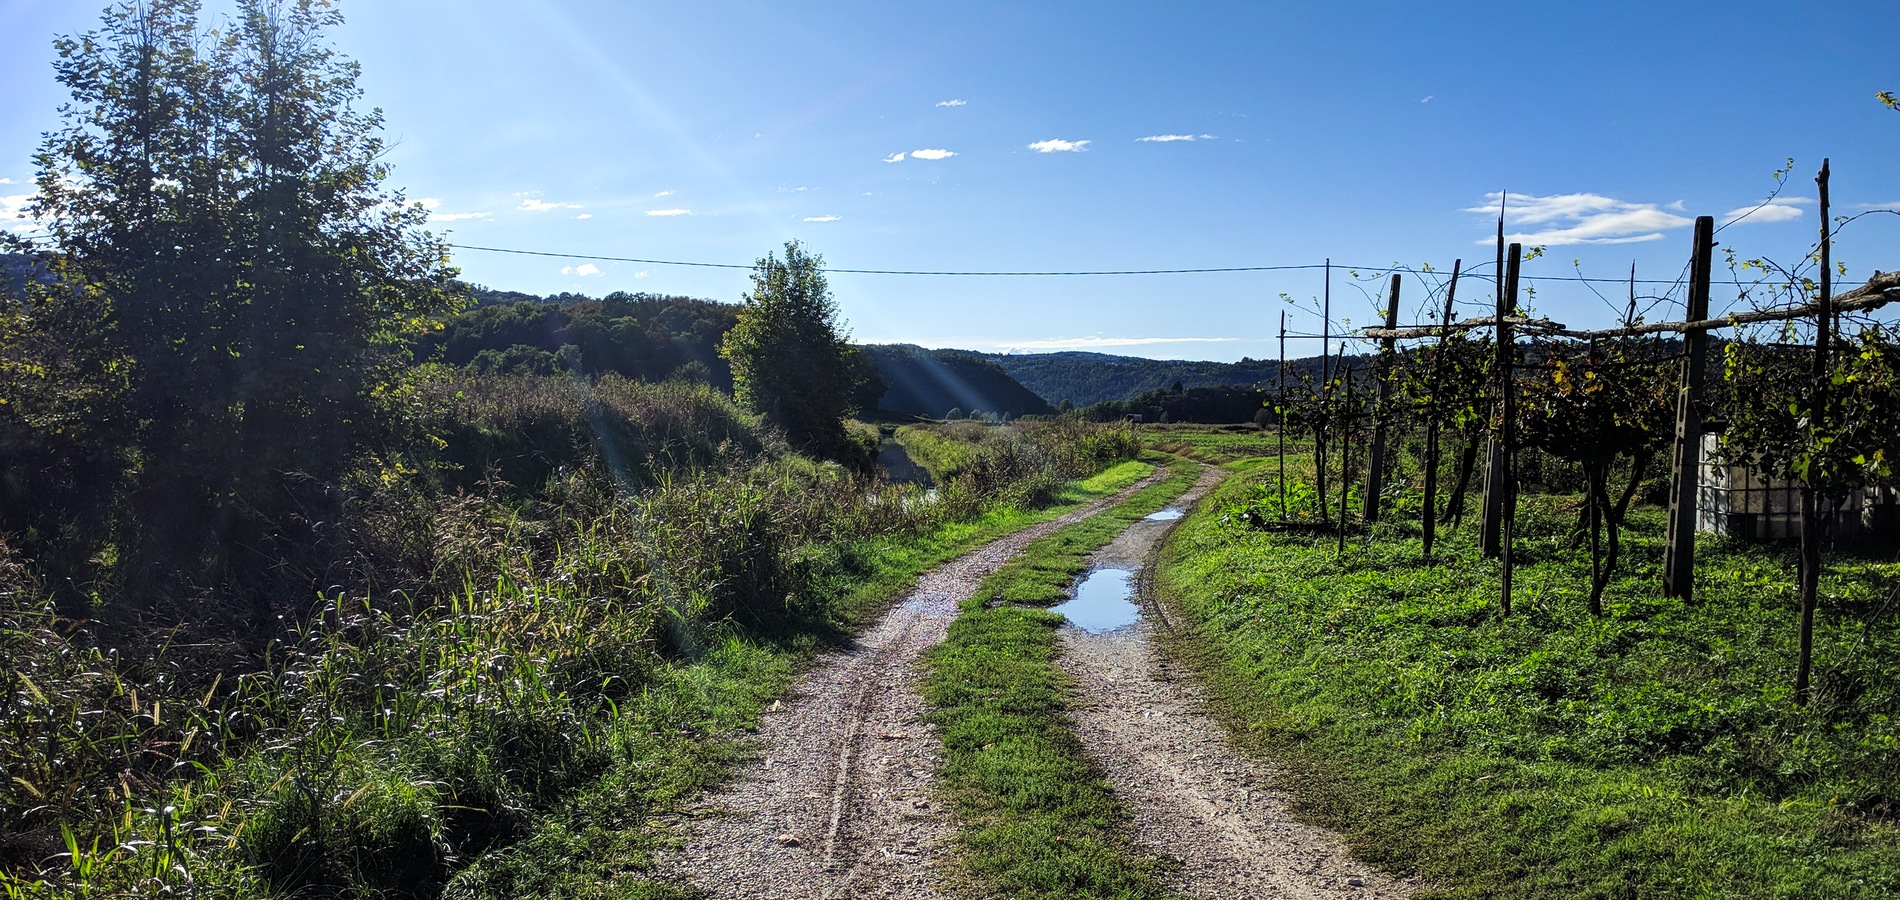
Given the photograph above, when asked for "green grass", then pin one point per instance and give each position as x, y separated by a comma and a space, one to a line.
1038, 820
1653, 752
1212, 444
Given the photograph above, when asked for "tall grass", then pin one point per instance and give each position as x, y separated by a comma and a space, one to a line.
509, 676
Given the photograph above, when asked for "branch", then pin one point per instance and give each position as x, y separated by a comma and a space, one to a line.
1879, 291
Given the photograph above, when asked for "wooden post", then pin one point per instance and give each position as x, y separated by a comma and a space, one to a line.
1490, 534
1430, 521
1375, 466
1279, 418
1685, 478
1325, 392
1345, 447
1507, 429
1824, 420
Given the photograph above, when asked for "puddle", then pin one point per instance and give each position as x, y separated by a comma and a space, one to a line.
1166, 515
1102, 603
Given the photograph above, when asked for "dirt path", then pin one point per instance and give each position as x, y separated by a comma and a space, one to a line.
840, 804
1194, 798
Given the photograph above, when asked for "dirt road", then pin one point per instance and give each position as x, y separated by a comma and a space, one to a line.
840, 803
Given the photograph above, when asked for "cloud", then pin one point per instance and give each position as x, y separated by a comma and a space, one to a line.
428, 203
932, 154
536, 204
1161, 139
1098, 341
584, 216
643, 274
953, 103
584, 270
669, 212
1878, 206
456, 217
895, 157
1428, 98
823, 218
1772, 211
1057, 145
1580, 219
13, 206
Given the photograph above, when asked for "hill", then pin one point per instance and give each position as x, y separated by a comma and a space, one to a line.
1085, 379
932, 382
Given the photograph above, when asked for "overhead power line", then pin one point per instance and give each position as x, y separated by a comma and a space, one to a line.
1037, 274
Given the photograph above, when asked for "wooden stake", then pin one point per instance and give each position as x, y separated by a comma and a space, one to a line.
1430, 522
1507, 430
1375, 462
1279, 419
1686, 473
1824, 420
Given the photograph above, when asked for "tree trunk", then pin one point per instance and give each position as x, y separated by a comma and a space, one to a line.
1455, 510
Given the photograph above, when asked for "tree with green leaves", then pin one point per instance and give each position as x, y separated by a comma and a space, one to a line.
220, 195
791, 362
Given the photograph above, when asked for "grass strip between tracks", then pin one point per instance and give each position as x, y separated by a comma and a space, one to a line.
1037, 818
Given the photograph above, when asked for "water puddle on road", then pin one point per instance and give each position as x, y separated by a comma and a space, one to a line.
1166, 515
1102, 601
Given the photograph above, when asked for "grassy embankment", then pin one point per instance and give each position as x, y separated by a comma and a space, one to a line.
1038, 820
1655, 751
551, 644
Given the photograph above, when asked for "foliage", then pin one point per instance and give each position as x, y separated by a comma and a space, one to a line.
1217, 405
226, 251
1838, 436
1085, 379
644, 337
790, 361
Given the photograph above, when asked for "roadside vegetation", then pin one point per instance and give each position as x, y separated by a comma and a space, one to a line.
1654, 750
1037, 819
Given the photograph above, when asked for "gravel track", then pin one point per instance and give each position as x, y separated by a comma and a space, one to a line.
841, 803
1194, 798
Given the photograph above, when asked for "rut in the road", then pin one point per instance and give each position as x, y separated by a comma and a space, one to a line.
840, 804
1193, 797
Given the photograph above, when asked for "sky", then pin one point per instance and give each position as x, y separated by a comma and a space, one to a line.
1104, 136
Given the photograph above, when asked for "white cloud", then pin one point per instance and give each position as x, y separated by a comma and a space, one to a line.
1880, 206
662, 194
584, 216
1057, 145
932, 154
6, 181
1770, 212
1428, 98
1580, 219
584, 270
669, 212
823, 218
953, 103
643, 274
12, 208
428, 203
456, 217
1098, 341
895, 157
1162, 139
536, 204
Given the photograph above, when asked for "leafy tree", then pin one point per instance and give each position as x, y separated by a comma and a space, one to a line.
790, 361
220, 196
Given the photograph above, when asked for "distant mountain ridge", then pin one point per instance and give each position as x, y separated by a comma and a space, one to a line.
1085, 379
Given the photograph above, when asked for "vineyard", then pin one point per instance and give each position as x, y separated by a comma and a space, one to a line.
1802, 393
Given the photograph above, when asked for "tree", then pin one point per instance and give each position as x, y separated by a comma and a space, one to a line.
790, 360
220, 196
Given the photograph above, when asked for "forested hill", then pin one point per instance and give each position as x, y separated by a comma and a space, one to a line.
933, 382
1088, 378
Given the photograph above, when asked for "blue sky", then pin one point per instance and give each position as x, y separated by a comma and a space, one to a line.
1039, 136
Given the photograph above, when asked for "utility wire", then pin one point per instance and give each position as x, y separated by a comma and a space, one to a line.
1010, 274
